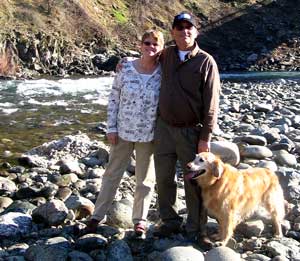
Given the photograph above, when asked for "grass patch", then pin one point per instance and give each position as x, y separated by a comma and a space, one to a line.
120, 17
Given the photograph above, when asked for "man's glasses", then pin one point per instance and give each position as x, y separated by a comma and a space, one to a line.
181, 27
149, 43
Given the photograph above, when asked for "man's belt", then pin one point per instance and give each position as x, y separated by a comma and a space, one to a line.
185, 124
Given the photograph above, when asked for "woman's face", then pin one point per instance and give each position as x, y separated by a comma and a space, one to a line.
151, 47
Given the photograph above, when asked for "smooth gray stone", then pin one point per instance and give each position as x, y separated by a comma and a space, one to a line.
255, 152
251, 140
90, 242
79, 256
63, 193
222, 254
181, 253
22, 206
15, 258
58, 242
91, 162
68, 166
286, 247
227, 151
258, 257
7, 187
66, 180
251, 228
267, 164
119, 251
46, 253
120, 215
283, 158
262, 107
95, 173
17, 249
53, 212
15, 224
5, 202
17, 169
280, 146
81, 206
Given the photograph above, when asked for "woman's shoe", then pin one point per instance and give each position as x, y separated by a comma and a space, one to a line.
140, 230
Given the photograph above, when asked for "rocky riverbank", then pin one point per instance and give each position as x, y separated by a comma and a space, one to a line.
46, 199
41, 55
33, 56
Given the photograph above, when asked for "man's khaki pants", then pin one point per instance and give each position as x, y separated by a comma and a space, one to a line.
144, 173
172, 144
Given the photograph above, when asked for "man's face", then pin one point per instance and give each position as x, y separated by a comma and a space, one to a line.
184, 34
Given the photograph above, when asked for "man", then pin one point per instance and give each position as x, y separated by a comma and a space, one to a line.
188, 106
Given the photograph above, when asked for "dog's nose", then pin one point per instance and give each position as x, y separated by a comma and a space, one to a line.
188, 166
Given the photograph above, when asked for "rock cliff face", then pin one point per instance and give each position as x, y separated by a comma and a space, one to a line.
260, 37
89, 36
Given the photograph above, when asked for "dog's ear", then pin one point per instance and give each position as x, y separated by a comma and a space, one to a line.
217, 168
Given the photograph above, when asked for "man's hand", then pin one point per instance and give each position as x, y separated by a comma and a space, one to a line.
203, 146
112, 138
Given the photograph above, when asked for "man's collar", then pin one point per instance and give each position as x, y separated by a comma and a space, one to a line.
193, 52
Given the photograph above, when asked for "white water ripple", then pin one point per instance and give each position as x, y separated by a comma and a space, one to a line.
31, 88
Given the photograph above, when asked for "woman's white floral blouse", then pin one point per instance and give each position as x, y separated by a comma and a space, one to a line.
132, 106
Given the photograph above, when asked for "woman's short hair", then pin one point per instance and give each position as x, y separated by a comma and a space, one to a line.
155, 34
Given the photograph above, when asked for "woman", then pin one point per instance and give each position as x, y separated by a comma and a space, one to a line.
131, 120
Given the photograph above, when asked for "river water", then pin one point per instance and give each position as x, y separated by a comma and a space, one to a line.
36, 111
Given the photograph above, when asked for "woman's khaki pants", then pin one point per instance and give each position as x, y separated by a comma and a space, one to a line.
144, 173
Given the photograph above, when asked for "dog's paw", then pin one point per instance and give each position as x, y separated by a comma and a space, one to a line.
278, 236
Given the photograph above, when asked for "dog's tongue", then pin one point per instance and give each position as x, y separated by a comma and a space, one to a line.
189, 176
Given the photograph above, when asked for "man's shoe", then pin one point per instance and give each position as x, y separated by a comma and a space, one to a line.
199, 239
205, 243
91, 226
166, 229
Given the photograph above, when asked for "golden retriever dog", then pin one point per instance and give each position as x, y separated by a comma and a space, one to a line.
230, 195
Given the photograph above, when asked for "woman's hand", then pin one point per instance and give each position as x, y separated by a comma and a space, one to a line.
112, 138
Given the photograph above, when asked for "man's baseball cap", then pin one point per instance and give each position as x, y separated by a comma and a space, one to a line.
183, 16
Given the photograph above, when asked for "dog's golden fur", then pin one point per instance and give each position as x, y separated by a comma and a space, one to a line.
230, 195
